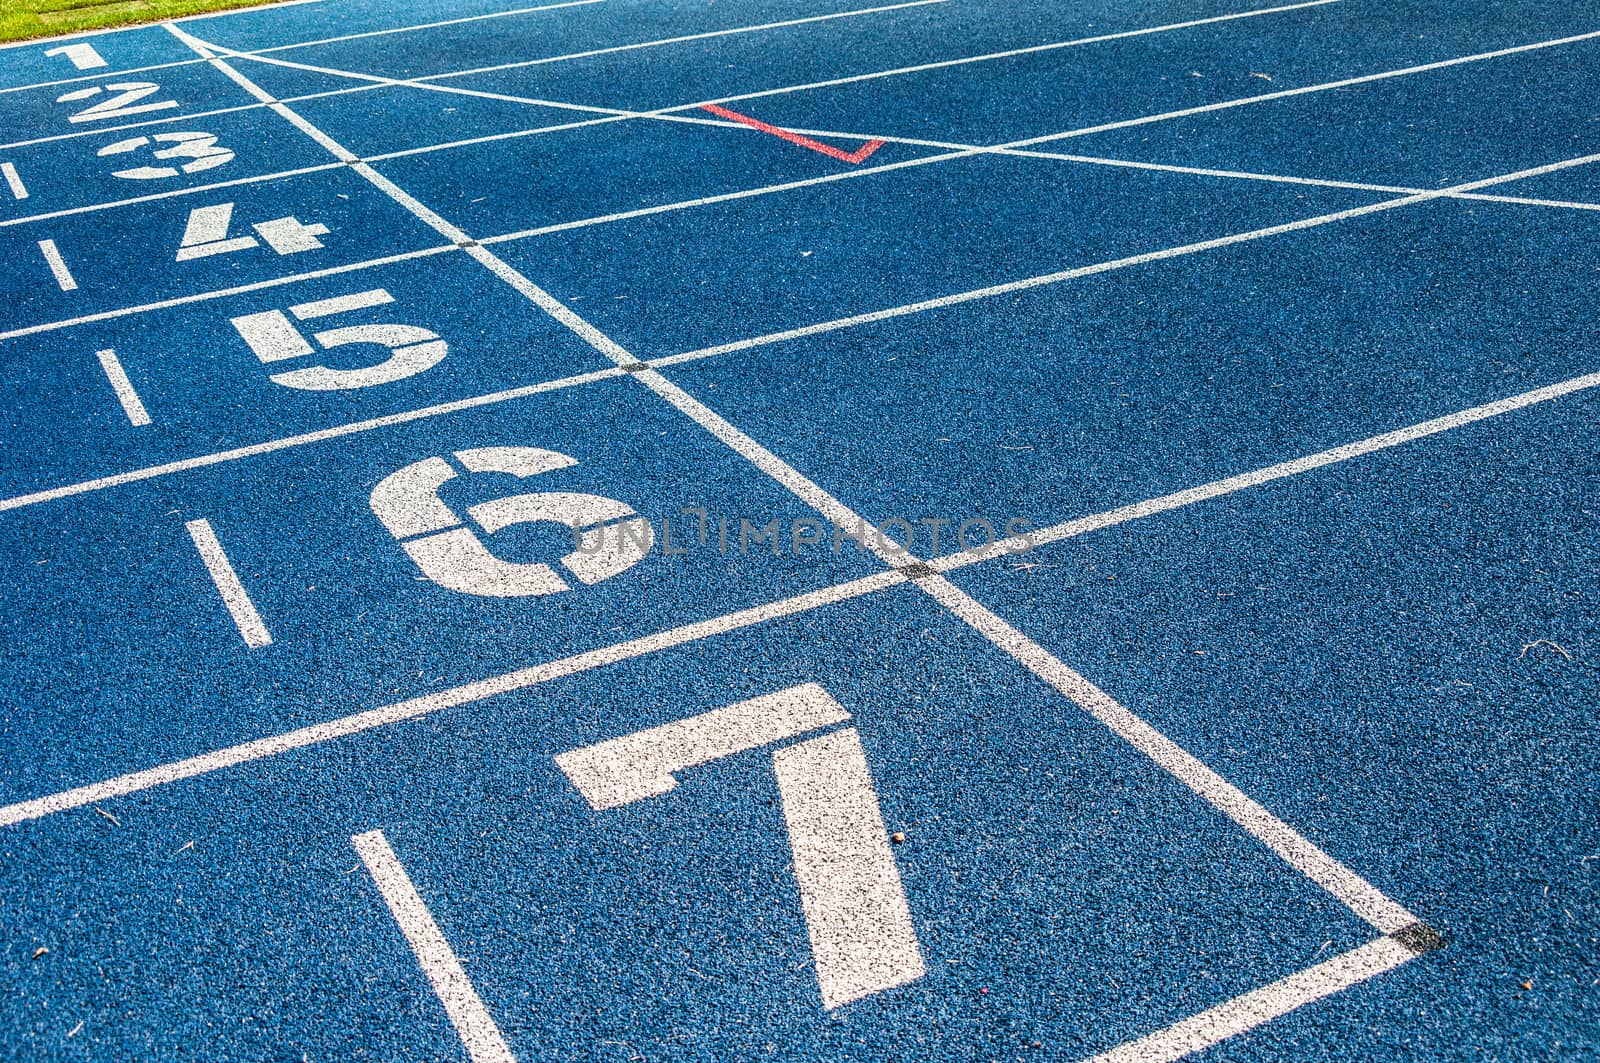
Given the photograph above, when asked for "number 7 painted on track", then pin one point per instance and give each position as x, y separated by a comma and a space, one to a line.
855, 906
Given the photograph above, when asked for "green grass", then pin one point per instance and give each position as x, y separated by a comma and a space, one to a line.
22, 19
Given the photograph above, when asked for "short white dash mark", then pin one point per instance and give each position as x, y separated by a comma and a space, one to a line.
14, 180
58, 266
228, 585
138, 416
472, 1020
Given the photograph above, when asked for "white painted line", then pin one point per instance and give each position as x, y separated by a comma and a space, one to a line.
308, 44
1044, 279
141, 124
1360, 896
119, 72
708, 35
58, 266
1326, 86
222, 293
1013, 53
1257, 477
233, 593
429, 25
855, 906
14, 180
1260, 1006
138, 416
644, 764
725, 197
414, 708
150, 472
438, 960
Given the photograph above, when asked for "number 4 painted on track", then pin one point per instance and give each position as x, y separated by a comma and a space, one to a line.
855, 907
207, 234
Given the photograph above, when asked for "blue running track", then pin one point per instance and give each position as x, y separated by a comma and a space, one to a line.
804, 530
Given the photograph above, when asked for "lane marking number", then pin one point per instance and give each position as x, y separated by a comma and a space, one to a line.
83, 56
610, 537
123, 104
207, 234
201, 149
857, 916
274, 338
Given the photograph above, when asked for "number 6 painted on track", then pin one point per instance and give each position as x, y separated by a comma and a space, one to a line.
274, 338
453, 556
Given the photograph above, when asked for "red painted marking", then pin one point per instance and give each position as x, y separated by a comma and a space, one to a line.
852, 157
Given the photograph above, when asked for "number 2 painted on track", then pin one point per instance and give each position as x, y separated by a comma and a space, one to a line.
124, 103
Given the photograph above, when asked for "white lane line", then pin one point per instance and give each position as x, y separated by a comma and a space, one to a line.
356, 723
1358, 895
141, 124
1145, 258
58, 266
138, 416
1257, 477
353, 724
534, 292
437, 959
1299, 853
120, 72
222, 293
1326, 86
233, 593
1260, 1006
414, 708
426, 26
150, 472
301, 44
170, 194
14, 180
1272, 178
862, 938
1012, 53
706, 36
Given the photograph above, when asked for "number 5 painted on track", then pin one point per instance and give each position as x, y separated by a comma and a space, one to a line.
274, 338
855, 907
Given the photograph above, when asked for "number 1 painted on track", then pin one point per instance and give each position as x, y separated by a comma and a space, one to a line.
850, 891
